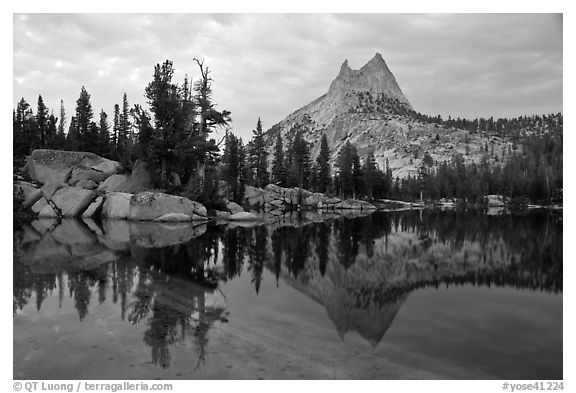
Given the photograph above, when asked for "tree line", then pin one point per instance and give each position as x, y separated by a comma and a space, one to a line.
176, 139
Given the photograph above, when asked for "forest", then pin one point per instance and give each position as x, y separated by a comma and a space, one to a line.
177, 137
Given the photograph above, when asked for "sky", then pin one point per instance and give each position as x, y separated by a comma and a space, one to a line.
269, 65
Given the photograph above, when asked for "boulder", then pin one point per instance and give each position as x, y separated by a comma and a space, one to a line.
87, 184
115, 183
49, 189
116, 205
72, 201
234, 207
313, 200
199, 210
107, 167
39, 205
354, 204
148, 206
220, 215
93, 208
48, 212
253, 196
56, 166
274, 189
30, 192
174, 217
243, 216
292, 196
79, 174
303, 193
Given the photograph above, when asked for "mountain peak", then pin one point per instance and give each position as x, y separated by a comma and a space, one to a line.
378, 57
377, 63
374, 77
344, 69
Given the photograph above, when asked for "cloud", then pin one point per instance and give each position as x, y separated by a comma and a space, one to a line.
268, 65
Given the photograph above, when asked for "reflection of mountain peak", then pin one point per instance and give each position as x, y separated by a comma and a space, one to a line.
371, 323
350, 298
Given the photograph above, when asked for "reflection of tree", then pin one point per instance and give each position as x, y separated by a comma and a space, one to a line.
277, 240
79, 284
257, 254
323, 231
234, 244
348, 234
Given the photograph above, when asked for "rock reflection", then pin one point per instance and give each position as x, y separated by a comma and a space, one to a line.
361, 269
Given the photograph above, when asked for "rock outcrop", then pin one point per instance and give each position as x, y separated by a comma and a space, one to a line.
68, 167
116, 205
149, 206
274, 198
72, 201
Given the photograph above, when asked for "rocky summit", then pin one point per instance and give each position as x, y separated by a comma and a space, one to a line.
367, 108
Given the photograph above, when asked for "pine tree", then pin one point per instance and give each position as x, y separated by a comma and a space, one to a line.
143, 124
123, 144
84, 116
104, 137
299, 172
73, 136
349, 175
42, 121
278, 169
51, 132
234, 166
259, 157
62, 123
115, 130
371, 175
323, 166
209, 117
24, 128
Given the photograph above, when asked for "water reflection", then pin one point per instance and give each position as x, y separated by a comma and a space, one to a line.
361, 269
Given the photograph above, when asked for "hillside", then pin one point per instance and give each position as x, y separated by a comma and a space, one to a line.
367, 108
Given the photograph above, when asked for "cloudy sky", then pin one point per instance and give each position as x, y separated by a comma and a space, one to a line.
268, 65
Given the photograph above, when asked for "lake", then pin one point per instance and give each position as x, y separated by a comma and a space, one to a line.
417, 294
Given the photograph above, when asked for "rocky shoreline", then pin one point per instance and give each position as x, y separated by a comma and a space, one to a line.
81, 184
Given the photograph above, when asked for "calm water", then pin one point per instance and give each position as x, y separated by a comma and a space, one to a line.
391, 295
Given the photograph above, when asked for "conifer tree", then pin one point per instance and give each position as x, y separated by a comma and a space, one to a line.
62, 122
259, 157
123, 143
278, 169
299, 172
73, 136
323, 166
84, 116
51, 132
234, 166
42, 121
115, 130
104, 137
371, 175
